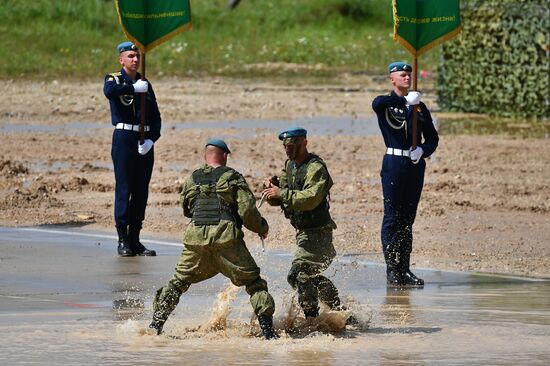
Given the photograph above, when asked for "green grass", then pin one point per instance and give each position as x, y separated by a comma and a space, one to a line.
77, 38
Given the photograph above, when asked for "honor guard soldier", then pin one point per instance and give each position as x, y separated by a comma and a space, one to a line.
219, 202
133, 162
302, 191
402, 170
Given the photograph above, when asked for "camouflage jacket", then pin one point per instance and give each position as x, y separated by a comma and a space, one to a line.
234, 190
316, 187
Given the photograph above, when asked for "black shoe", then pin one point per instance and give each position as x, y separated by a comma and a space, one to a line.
137, 247
266, 324
394, 278
409, 279
124, 249
157, 326
311, 313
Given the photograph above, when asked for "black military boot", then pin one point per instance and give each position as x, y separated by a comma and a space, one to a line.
157, 325
393, 273
409, 279
311, 313
124, 249
137, 247
266, 324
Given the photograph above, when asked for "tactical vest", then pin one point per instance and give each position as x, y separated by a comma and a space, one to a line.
317, 217
209, 208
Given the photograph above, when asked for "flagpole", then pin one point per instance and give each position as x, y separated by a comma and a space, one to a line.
415, 108
142, 104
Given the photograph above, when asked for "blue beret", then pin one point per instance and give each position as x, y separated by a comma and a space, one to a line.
219, 144
126, 46
293, 132
399, 66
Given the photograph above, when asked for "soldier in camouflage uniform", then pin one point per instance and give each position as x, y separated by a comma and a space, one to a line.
302, 192
219, 202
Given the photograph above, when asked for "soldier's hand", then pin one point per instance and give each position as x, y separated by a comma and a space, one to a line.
272, 181
268, 183
416, 154
145, 147
272, 192
141, 86
413, 98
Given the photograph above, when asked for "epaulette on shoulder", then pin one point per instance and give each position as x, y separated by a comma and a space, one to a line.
114, 75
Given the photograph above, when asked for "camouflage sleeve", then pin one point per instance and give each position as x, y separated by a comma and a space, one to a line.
316, 186
252, 219
188, 197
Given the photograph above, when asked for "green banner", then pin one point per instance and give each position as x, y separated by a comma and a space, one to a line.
422, 24
149, 23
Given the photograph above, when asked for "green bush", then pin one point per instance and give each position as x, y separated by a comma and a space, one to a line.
499, 64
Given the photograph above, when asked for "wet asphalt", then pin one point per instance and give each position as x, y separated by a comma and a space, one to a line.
60, 280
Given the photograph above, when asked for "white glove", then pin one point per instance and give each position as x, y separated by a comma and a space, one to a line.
141, 86
145, 147
416, 154
413, 98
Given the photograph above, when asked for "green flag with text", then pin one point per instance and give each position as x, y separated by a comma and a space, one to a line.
422, 24
149, 23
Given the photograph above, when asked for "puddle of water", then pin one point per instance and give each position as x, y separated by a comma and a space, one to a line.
74, 300
484, 126
321, 125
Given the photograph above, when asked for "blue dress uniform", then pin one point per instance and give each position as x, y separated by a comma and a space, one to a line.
132, 170
402, 180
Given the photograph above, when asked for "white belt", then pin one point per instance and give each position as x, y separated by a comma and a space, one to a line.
129, 127
398, 152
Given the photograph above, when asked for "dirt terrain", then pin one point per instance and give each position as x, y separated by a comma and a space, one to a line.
485, 205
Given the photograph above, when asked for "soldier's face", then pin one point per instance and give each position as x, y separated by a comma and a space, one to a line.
401, 79
293, 146
130, 60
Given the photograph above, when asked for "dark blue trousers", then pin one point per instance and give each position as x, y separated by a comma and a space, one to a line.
132, 176
402, 183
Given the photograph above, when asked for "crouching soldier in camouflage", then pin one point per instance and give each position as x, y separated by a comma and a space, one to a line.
218, 201
302, 192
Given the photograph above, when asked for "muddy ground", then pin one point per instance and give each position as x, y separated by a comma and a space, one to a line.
485, 205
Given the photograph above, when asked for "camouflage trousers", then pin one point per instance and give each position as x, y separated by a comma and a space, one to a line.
199, 263
314, 254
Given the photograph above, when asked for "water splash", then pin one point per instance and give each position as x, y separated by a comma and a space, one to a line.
222, 308
293, 322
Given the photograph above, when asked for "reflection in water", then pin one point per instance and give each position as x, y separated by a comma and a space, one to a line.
397, 307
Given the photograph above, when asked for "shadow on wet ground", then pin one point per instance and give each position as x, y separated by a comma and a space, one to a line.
66, 298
